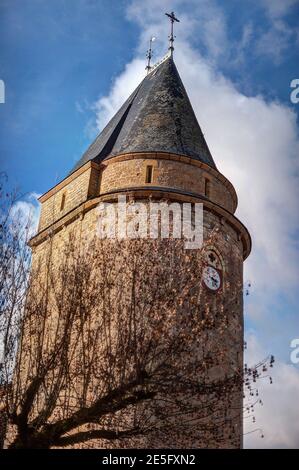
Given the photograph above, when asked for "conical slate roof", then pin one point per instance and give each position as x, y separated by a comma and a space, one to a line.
157, 117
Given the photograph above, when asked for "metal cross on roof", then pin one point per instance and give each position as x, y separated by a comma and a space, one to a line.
172, 18
149, 55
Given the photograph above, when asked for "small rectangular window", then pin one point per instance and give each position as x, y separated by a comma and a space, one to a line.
149, 174
207, 187
62, 203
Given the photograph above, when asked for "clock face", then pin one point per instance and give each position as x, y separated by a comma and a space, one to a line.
211, 278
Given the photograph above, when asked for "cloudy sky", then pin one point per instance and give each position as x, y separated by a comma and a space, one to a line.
69, 64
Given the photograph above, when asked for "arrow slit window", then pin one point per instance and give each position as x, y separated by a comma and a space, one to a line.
149, 174
62, 203
207, 187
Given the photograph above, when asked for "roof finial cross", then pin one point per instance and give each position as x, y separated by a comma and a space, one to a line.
172, 18
149, 55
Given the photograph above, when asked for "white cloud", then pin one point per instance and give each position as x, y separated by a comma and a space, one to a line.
278, 8
279, 36
275, 41
123, 86
25, 212
205, 20
278, 417
255, 145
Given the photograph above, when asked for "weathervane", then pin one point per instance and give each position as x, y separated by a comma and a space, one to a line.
149, 55
172, 18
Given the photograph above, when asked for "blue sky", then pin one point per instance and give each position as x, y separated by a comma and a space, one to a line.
55, 54
68, 65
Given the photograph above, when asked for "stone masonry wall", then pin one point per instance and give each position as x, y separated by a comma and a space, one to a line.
123, 172
74, 190
230, 249
167, 173
95, 180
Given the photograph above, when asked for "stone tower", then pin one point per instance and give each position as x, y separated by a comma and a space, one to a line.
154, 147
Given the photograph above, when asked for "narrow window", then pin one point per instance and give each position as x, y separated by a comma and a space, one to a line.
149, 174
207, 187
62, 203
